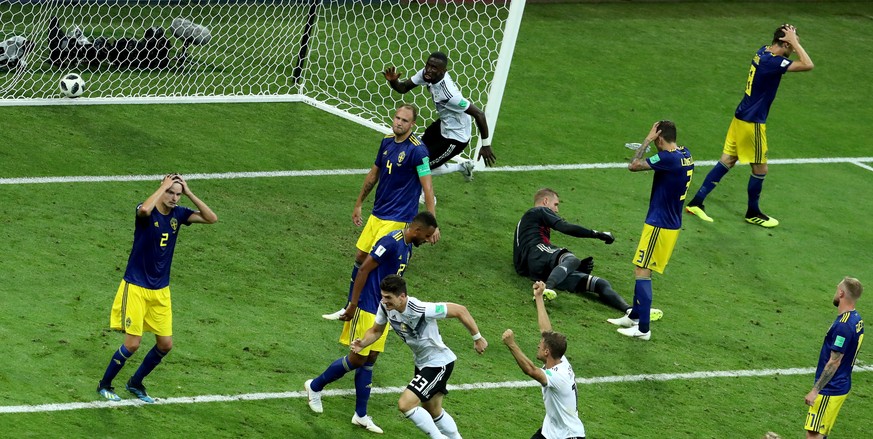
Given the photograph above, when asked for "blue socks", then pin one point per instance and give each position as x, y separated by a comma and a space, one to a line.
115, 364
643, 302
151, 360
335, 371
363, 382
756, 183
712, 179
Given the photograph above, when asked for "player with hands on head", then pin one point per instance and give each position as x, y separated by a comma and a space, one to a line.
451, 132
674, 167
747, 135
415, 322
142, 302
556, 376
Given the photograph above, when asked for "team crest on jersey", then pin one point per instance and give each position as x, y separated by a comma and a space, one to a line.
127, 322
174, 224
400, 157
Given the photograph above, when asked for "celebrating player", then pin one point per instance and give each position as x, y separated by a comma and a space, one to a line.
747, 136
390, 255
142, 302
833, 376
416, 323
556, 376
673, 167
447, 136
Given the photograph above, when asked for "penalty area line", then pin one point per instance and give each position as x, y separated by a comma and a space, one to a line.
397, 390
859, 161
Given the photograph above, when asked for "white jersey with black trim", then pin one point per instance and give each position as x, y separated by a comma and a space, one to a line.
451, 106
559, 397
417, 327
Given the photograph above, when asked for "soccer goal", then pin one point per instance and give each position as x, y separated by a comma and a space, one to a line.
329, 54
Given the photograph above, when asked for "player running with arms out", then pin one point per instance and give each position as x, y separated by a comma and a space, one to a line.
390, 255
747, 136
833, 375
416, 324
556, 376
535, 256
399, 174
673, 168
142, 303
447, 136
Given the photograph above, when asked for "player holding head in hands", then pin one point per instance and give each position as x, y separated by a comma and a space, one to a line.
556, 376
447, 136
673, 168
416, 324
390, 256
400, 173
142, 303
833, 375
747, 136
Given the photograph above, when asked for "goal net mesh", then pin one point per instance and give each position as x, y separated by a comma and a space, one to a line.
228, 50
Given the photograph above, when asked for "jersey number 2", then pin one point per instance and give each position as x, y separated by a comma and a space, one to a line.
164, 238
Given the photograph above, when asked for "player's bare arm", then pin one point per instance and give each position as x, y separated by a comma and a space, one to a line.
828, 372
638, 163
521, 359
393, 77
804, 62
460, 312
370, 337
204, 214
542, 315
430, 203
369, 183
367, 267
486, 152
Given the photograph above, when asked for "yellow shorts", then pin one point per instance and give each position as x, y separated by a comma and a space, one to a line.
357, 327
374, 230
823, 414
137, 310
747, 140
655, 248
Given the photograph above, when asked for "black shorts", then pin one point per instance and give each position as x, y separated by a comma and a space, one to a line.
542, 259
431, 380
539, 435
439, 149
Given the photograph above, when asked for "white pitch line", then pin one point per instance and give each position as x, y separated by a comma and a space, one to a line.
869, 168
329, 172
397, 390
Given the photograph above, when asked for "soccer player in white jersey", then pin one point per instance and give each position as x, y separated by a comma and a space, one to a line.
556, 376
447, 136
416, 323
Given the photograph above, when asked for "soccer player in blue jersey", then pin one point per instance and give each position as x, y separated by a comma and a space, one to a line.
142, 303
451, 132
389, 256
402, 172
747, 136
673, 168
833, 376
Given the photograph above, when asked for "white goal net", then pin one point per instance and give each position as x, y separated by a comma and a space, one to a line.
329, 54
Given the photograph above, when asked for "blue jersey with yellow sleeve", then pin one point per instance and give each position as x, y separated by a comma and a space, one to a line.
392, 253
154, 240
761, 86
400, 166
673, 170
845, 336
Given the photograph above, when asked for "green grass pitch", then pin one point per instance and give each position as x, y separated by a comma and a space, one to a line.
585, 79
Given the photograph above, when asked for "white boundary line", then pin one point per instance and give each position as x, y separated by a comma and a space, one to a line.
397, 390
326, 172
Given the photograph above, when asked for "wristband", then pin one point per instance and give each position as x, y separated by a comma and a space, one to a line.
477, 336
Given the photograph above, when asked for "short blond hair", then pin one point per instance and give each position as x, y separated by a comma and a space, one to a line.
543, 193
852, 287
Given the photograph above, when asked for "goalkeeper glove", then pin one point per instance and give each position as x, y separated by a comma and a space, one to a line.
587, 265
604, 236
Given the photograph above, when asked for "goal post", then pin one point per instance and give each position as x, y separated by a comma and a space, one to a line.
327, 53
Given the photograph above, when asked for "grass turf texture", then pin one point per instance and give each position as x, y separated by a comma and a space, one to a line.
585, 79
